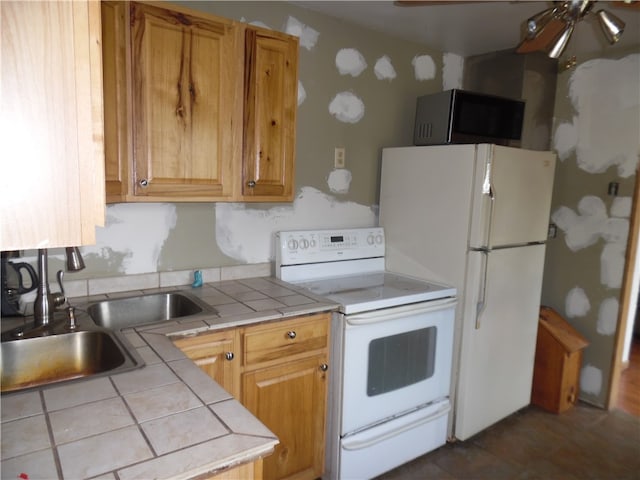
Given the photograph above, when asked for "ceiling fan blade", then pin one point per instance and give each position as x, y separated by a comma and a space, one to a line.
635, 5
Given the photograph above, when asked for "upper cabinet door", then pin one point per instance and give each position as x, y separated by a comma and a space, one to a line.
51, 145
271, 84
186, 95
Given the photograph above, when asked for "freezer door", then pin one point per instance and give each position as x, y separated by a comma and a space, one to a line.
512, 196
500, 322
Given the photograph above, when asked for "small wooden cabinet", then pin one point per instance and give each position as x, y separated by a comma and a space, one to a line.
282, 374
218, 355
556, 373
198, 107
52, 187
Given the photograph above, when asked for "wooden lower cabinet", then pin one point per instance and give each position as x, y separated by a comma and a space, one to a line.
217, 354
290, 400
279, 372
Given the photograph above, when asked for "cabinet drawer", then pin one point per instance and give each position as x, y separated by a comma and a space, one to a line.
282, 339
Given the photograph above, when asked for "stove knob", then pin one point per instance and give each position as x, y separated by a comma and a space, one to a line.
304, 243
379, 239
370, 239
312, 243
292, 244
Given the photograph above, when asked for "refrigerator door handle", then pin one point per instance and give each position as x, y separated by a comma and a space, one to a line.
489, 190
492, 197
483, 288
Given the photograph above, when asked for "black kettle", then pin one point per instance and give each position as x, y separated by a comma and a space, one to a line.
14, 276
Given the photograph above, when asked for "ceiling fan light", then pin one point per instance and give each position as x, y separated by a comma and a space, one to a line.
560, 43
611, 25
540, 20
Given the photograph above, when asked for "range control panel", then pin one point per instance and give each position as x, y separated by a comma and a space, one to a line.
312, 246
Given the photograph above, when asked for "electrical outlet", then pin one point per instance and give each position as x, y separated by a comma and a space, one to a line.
338, 157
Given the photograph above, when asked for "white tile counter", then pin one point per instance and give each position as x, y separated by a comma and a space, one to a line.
167, 419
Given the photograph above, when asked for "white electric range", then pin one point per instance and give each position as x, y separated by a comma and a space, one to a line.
391, 354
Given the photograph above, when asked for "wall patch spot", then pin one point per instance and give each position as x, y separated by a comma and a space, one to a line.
612, 265
577, 304
591, 380
452, 69
302, 93
350, 61
591, 224
339, 180
608, 119
384, 69
424, 67
135, 231
246, 234
621, 207
608, 316
347, 107
307, 35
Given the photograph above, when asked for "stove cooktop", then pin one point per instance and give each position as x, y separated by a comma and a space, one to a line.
373, 291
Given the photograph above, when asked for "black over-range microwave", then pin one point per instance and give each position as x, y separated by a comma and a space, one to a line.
459, 116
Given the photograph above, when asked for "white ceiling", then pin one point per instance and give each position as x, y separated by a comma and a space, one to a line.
473, 27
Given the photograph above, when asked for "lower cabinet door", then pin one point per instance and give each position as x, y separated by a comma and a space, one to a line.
290, 400
216, 354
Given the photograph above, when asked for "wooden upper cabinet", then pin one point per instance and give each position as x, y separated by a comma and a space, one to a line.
271, 85
51, 141
197, 107
185, 103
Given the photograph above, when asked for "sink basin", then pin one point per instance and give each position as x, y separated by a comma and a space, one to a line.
33, 362
133, 311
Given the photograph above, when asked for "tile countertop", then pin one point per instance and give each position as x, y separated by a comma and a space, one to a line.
167, 419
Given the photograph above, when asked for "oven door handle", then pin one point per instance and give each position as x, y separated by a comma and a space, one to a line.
400, 312
356, 444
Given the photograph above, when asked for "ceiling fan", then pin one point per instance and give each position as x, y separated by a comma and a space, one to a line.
549, 30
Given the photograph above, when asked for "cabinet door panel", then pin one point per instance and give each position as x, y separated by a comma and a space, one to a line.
116, 113
185, 103
290, 400
270, 114
217, 355
52, 184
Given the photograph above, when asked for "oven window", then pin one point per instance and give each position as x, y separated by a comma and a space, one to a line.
400, 360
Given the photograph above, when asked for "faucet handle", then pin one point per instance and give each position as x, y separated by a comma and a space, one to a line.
59, 298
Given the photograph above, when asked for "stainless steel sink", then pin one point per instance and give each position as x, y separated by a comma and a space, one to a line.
133, 311
33, 362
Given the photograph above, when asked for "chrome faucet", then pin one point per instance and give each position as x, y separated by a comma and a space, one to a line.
46, 302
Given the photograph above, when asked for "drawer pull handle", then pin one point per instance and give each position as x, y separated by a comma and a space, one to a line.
144, 182
324, 367
291, 334
229, 356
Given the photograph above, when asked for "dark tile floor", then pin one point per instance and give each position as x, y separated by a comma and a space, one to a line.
582, 443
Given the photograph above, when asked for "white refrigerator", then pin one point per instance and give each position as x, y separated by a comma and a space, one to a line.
475, 217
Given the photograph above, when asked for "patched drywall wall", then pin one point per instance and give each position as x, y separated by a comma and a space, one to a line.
597, 138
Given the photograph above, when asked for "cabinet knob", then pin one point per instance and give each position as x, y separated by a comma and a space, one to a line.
144, 182
229, 356
324, 367
291, 334
251, 183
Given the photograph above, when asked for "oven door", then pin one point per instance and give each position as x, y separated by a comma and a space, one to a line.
395, 360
